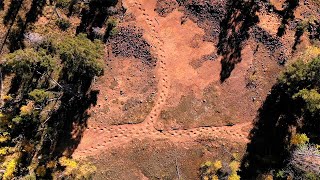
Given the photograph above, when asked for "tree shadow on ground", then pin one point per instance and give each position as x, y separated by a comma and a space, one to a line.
12, 12
16, 36
287, 13
297, 36
18, 26
270, 136
69, 121
279, 117
71, 7
240, 17
94, 16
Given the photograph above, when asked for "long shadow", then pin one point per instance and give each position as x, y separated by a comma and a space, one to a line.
71, 7
280, 114
69, 121
18, 27
16, 36
287, 14
12, 12
10, 17
66, 125
270, 136
95, 16
297, 36
240, 17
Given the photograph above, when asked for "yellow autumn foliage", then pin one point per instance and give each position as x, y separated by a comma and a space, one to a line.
10, 169
299, 139
215, 177
26, 109
69, 164
4, 151
268, 177
217, 165
4, 139
234, 166
236, 156
234, 176
310, 53
207, 163
85, 171
7, 98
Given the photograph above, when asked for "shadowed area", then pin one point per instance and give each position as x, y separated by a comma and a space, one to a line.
234, 32
291, 107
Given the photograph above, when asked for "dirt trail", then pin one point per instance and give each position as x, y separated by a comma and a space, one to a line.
99, 138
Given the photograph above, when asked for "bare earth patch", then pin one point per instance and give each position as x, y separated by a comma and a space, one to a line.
162, 108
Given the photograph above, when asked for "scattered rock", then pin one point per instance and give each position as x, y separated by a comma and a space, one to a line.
130, 43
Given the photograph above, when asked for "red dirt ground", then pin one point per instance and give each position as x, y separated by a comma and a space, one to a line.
174, 109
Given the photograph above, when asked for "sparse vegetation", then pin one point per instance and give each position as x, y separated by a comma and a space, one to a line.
218, 170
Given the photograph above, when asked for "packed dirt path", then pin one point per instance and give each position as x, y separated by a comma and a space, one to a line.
98, 138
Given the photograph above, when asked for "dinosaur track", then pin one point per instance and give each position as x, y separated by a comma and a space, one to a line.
112, 136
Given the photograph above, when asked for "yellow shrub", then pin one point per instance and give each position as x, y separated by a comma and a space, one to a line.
85, 171
234, 166
4, 151
234, 176
3, 118
207, 163
310, 53
299, 139
7, 98
69, 164
10, 169
26, 110
4, 139
236, 156
215, 177
217, 165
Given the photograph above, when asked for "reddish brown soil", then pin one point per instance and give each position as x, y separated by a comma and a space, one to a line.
150, 118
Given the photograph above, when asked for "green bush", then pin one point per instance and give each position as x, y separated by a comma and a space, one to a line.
112, 26
63, 24
39, 95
